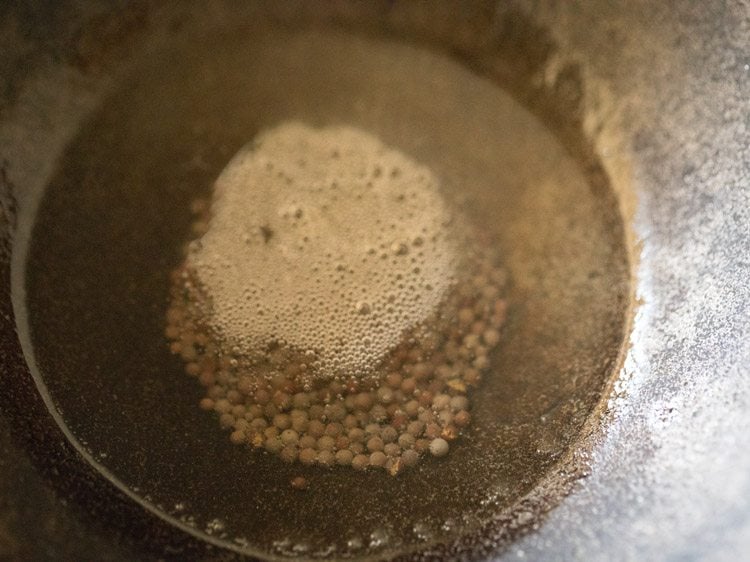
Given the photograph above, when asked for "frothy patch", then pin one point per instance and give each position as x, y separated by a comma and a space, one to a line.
325, 241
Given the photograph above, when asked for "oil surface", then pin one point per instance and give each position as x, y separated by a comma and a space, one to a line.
110, 229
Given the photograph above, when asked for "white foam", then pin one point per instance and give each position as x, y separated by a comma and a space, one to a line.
325, 240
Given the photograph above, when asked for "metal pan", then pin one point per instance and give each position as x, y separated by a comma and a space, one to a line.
624, 356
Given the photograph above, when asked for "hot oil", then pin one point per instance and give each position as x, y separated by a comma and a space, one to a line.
115, 218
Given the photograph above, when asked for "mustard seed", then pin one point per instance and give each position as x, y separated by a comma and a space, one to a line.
410, 457
406, 440
378, 413
273, 445
441, 401
408, 386
445, 416
364, 401
432, 430
439, 447
481, 362
415, 428
308, 442
334, 429
412, 408
326, 457
392, 449
289, 437
465, 316
360, 462
356, 434
316, 428
288, 453
282, 421
377, 458
299, 483
388, 434
491, 337
301, 400
300, 424
316, 412
307, 455
223, 406
394, 380
344, 457
270, 410
271, 432
326, 443
459, 402
375, 444
262, 397
335, 412
258, 424
226, 420
462, 418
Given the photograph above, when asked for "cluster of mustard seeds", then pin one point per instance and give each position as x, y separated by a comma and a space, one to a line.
334, 306
415, 403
